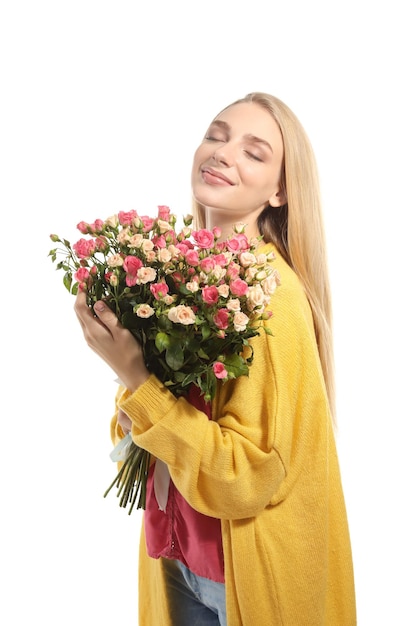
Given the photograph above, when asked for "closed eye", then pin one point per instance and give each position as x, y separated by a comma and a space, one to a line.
251, 155
212, 138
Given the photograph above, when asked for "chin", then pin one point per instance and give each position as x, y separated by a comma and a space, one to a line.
211, 198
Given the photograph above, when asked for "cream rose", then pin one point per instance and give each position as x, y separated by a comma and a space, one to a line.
223, 290
240, 321
144, 311
271, 283
115, 260
136, 241
247, 259
255, 297
146, 275
233, 304
181, 314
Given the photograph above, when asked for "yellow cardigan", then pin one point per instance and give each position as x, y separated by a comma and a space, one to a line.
266, 465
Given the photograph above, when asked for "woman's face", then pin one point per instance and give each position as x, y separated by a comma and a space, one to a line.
236, 168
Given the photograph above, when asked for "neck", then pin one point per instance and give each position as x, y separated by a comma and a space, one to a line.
223, 221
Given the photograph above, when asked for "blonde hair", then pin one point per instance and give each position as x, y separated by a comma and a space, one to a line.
296, 228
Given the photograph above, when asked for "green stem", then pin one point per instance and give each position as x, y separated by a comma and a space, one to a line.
131, 479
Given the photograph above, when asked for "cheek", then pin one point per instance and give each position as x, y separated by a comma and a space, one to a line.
198, 159
259, 178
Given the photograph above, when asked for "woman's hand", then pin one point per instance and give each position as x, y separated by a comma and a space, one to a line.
124, 421
112, 342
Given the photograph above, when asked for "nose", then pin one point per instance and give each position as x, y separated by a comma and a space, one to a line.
223, 155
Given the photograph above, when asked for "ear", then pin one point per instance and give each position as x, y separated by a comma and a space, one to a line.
278, 199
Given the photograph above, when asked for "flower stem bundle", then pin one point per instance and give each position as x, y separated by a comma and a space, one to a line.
131, 479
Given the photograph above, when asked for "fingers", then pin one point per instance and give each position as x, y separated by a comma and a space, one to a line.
86, 315
124, 421
106, 315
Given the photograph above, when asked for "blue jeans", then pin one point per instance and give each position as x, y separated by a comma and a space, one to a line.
193, 600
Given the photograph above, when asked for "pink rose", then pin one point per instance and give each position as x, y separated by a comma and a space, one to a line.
238, 287
159, 290
101, 243
216, 232
192, 258
83, 227
97, 226
207, 264
147, 223
219, 370
131, 266
81, 275
210, 295
221, 259
84, 248
178, 278
159, 241
204, 238
233, 270
221, 318
233, 244
127, 217
163, 212
184, 246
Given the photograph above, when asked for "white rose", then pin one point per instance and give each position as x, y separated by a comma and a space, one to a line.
147, 245
163, 226
112, 221
233, 304
164, 255
146, 275
115, 260
240, 321
246, 259
192, 286
123, 236
135, 241
271, 283
223, 290
218, 273
255, 297
144, 310
181, 314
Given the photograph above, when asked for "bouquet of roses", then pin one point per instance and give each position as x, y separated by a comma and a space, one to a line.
191, 299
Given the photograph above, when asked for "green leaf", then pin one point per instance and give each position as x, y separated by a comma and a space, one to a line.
67, 280
174, 356
206, 331
164, 323
162, 342
235, 365
202, 354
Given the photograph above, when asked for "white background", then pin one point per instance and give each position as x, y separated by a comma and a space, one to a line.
102, 105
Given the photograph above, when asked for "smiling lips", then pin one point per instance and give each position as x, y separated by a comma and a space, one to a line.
213, 177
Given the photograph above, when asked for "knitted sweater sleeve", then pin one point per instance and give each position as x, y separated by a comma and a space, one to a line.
233, 466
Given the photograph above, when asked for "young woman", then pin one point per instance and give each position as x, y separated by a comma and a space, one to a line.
254, 527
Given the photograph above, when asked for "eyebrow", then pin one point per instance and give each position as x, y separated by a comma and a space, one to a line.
249, 136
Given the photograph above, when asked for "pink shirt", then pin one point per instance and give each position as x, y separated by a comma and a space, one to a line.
181, 532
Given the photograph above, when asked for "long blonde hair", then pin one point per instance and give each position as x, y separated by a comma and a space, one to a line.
296, 228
